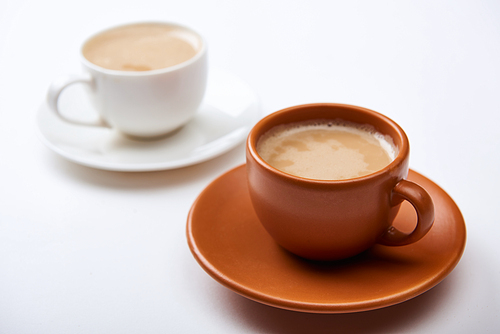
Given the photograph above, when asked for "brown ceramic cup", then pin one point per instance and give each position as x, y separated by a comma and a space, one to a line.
331, 220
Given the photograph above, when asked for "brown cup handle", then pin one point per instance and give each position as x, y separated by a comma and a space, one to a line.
422, 202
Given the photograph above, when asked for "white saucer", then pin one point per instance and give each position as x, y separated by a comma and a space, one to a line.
227, 114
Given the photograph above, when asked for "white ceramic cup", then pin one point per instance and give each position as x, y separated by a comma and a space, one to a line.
143, 103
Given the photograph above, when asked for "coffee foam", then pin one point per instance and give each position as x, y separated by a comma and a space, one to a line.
142, 47
286, 148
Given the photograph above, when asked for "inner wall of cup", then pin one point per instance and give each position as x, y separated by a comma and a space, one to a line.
354, 114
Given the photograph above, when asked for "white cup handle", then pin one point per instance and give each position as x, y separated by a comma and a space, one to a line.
56, 89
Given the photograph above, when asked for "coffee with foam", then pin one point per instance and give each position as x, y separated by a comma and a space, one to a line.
326, 150
142, 47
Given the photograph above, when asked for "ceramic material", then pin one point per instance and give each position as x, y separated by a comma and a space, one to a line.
229, 110
141, 104
228, 241
335, 219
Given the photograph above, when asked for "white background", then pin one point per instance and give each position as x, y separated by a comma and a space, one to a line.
90, 251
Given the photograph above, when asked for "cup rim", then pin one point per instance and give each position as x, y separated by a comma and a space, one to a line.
400, 158
173, 68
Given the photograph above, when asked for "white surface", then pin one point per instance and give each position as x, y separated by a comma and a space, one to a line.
228, 112
91, 251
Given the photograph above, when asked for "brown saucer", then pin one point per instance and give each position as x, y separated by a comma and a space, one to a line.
229, 242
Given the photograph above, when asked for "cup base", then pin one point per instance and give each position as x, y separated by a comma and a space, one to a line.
152, 137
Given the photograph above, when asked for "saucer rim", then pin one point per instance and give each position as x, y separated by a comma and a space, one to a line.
144, 167
256, 105
311, 307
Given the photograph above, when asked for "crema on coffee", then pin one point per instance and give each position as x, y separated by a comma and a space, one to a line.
326, 150
142, 47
